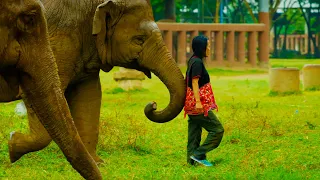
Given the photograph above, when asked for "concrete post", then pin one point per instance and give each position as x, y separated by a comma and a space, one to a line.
264, 36
168, 40
193, 35
230, 47
311, 74
241, 56
218, 47
208, 34
182, 47
252, 48
129, 79
284, 80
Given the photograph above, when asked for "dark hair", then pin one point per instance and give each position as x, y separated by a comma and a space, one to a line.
199, 46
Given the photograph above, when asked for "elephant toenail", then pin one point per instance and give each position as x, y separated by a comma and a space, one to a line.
11, 134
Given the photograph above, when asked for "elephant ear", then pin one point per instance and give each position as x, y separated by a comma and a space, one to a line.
149, 2
107, 15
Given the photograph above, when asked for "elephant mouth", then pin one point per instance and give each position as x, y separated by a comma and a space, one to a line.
135, 65
147, 73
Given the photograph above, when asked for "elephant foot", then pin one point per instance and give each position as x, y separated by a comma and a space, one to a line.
14, 154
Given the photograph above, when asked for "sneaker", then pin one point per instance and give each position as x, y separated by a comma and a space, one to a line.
203, 162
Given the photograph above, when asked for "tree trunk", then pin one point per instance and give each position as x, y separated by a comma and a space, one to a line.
284, 47
250, 11
216, 18
277, 35
275, 42
170, 10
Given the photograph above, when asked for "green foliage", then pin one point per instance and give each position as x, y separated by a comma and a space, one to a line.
237, 12
294, 19
265, 137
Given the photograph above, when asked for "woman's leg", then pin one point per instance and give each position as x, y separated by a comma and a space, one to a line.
215, 134
194, 137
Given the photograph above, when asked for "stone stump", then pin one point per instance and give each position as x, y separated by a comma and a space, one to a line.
284, 80
129, 79
311, 77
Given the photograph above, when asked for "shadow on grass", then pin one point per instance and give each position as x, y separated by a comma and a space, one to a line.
313, 89
281, 94
137, 149
214, 163
217, 162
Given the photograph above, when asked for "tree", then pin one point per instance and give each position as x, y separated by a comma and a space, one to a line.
291, 16
252, 7
306, 12
273, 7
170, 10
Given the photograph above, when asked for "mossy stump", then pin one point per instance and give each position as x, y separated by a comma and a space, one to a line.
311, 77
129, 79
284, 80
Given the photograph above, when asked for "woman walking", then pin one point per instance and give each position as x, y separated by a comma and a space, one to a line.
199, 105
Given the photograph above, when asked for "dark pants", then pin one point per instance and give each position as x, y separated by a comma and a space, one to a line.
215, 134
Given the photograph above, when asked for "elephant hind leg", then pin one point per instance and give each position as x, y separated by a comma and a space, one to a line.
21, 144
84, 100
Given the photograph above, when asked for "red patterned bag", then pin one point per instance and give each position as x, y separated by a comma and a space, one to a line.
206, 97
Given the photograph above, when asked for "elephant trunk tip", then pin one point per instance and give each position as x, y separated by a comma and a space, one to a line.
149, 111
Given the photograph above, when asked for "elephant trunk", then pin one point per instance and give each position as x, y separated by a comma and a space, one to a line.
41, 87
156, 57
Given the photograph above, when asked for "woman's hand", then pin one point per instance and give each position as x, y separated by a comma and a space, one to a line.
199, 107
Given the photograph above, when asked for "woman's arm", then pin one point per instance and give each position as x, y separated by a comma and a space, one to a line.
195, 87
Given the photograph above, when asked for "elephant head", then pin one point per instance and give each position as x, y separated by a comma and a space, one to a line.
27, 61
127, 36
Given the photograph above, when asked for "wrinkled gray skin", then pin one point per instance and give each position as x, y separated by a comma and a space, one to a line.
27, 61
87, 36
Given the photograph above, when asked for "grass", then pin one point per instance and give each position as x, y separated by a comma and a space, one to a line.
298, 63
266, 137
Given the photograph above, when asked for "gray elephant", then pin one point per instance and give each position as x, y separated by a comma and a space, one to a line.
27, 65
91, 35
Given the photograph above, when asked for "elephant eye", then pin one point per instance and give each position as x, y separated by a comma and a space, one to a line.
139, 40
27, 21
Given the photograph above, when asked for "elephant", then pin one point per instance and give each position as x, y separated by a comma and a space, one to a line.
28, 69
88, 36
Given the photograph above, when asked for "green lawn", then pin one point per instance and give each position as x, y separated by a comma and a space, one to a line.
292, 62
265, 137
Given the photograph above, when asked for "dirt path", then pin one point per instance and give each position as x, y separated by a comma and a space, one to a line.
249, 76
243, 77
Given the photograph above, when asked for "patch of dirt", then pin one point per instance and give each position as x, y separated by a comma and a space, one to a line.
243, 77
249, 76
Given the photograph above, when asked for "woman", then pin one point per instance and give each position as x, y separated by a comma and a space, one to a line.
199, 105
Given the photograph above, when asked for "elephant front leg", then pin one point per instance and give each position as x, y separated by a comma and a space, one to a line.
21, 144
84, 100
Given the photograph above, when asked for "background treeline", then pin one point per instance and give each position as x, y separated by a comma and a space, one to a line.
287, 17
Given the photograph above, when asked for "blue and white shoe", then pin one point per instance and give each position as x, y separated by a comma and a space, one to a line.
203, 162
